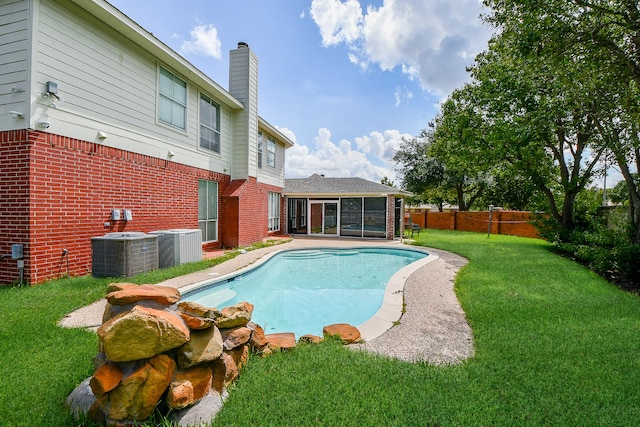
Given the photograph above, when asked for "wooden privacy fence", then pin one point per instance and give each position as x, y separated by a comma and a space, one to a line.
515, 223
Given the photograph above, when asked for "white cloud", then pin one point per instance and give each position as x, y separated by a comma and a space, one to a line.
401, 94
204, 41
371, 158
338, 22
381, 145
432, 41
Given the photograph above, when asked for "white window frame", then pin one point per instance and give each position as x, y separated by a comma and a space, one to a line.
274, 211
260, 148
175, 100
271, 152
208, 219
212, 145
303, 215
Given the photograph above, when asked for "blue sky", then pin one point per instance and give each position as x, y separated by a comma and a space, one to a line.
345, 80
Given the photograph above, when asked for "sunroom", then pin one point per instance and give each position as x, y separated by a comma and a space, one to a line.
343, 207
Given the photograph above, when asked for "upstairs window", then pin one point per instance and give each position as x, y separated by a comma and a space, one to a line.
271, 152
173, 99
209, 124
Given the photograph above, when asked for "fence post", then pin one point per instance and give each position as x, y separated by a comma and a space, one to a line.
490, 215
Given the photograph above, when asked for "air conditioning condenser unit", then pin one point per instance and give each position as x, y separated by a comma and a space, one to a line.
178, 246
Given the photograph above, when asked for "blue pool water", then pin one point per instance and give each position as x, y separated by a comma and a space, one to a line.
303, 290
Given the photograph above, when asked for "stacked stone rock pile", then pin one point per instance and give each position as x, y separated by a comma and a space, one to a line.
155, 351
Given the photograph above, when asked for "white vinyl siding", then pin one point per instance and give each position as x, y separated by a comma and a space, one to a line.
274, 211
243, 84
14, 67
271, 175
110, 84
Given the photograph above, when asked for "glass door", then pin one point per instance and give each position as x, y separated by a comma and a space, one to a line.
324, 218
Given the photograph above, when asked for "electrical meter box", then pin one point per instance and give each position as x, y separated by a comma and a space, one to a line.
17, 251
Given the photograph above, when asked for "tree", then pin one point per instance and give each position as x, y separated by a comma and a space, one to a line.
423, 175
386, 181
458, 143
449, 162
601, 32
540, 118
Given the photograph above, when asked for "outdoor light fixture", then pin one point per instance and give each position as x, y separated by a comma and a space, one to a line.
102, 135
44, 124
171, 154
16, 115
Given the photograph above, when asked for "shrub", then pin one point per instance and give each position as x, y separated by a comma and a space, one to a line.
600, 241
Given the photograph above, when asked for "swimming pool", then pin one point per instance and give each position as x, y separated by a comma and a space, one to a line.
303, 290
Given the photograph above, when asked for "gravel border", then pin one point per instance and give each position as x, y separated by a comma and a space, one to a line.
434, 328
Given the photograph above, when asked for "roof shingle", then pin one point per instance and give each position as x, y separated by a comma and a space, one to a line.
318, 184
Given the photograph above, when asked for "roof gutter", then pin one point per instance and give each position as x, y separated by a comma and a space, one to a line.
398, 193
287, 142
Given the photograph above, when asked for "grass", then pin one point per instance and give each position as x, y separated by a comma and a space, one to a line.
41, 363
555, 345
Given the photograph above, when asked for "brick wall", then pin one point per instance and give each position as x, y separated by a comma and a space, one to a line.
56, 193
391, 217
514, 223
248, 202
14, 199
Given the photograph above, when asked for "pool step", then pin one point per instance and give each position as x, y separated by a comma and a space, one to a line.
310, 254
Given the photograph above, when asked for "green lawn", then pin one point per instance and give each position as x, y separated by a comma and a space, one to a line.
555, 345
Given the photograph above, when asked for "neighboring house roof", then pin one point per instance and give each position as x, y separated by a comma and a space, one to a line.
318, 185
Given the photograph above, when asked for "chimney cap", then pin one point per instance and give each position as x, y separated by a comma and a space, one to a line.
243, 44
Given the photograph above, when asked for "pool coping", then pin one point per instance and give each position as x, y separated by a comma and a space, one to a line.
392, 306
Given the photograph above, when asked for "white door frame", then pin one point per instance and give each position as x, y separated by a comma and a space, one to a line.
310, 216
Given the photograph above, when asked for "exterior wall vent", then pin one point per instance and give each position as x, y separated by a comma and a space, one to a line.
123, 254
178, 246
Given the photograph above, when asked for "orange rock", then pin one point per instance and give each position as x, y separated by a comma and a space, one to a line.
225, 371
189, 386
137, 395
195, 322
347, 333
258, 340
235, 315
141, 333
105, 379
284, 340
310, 339
113, 287
240, 355
198, 310
204, 346
132, 294
235, 337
